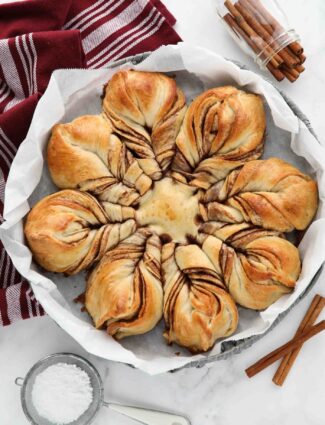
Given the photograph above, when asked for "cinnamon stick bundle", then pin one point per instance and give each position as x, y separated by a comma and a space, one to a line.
289, 351
251, 21
295, 47
309, 319
284, 349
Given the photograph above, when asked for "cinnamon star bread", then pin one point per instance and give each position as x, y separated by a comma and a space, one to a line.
172, 210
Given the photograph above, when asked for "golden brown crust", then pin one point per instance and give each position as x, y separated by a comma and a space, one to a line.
258, 266
124, 291
78, 151
146, 109
197, 308
268, 193
86, 151
209, 231
223, 123
69, 230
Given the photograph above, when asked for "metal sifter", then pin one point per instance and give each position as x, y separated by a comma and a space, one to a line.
142, 415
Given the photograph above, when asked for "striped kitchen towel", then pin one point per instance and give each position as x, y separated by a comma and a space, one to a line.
37, 37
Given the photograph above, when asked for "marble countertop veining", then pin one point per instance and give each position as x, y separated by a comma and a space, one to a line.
220, 394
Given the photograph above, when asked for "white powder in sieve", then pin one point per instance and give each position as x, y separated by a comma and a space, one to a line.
62, 393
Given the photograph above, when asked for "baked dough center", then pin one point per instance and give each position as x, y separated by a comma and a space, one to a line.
170, 208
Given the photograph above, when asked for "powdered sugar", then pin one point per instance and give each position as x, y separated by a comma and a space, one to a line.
62, 393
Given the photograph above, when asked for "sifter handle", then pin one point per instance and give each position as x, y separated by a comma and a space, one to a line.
148, 416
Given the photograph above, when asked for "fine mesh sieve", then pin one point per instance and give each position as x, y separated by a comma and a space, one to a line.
28, 383
145, 416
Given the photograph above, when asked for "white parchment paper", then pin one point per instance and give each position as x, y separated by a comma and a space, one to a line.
77, 92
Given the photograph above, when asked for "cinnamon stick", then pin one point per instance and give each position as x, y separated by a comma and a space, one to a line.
235, 27
284, 349
290, 59
259, 30
291, 74
260, 43
267, 26
295, 47
276, 72
272, 30
309, 319
251, 26
300, 68
302, 58
284, 54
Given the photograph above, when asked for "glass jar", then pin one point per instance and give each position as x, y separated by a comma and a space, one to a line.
262, 30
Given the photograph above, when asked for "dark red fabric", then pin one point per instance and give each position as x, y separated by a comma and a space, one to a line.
37, 37
48, 50
32, 15
57, 49
23, 112
114, 29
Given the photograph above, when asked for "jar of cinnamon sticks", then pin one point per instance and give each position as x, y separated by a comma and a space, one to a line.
262, 30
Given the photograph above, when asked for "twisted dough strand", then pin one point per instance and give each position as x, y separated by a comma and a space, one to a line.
86, 152
124, 291
197, 308
269, 193
146, 110
69, 230
223, 123
258, 266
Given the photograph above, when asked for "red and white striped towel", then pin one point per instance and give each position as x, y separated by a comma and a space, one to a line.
37, 37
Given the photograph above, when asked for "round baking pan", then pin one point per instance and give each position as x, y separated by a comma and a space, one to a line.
236, 347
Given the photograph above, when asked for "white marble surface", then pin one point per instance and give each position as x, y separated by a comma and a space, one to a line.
221, 394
